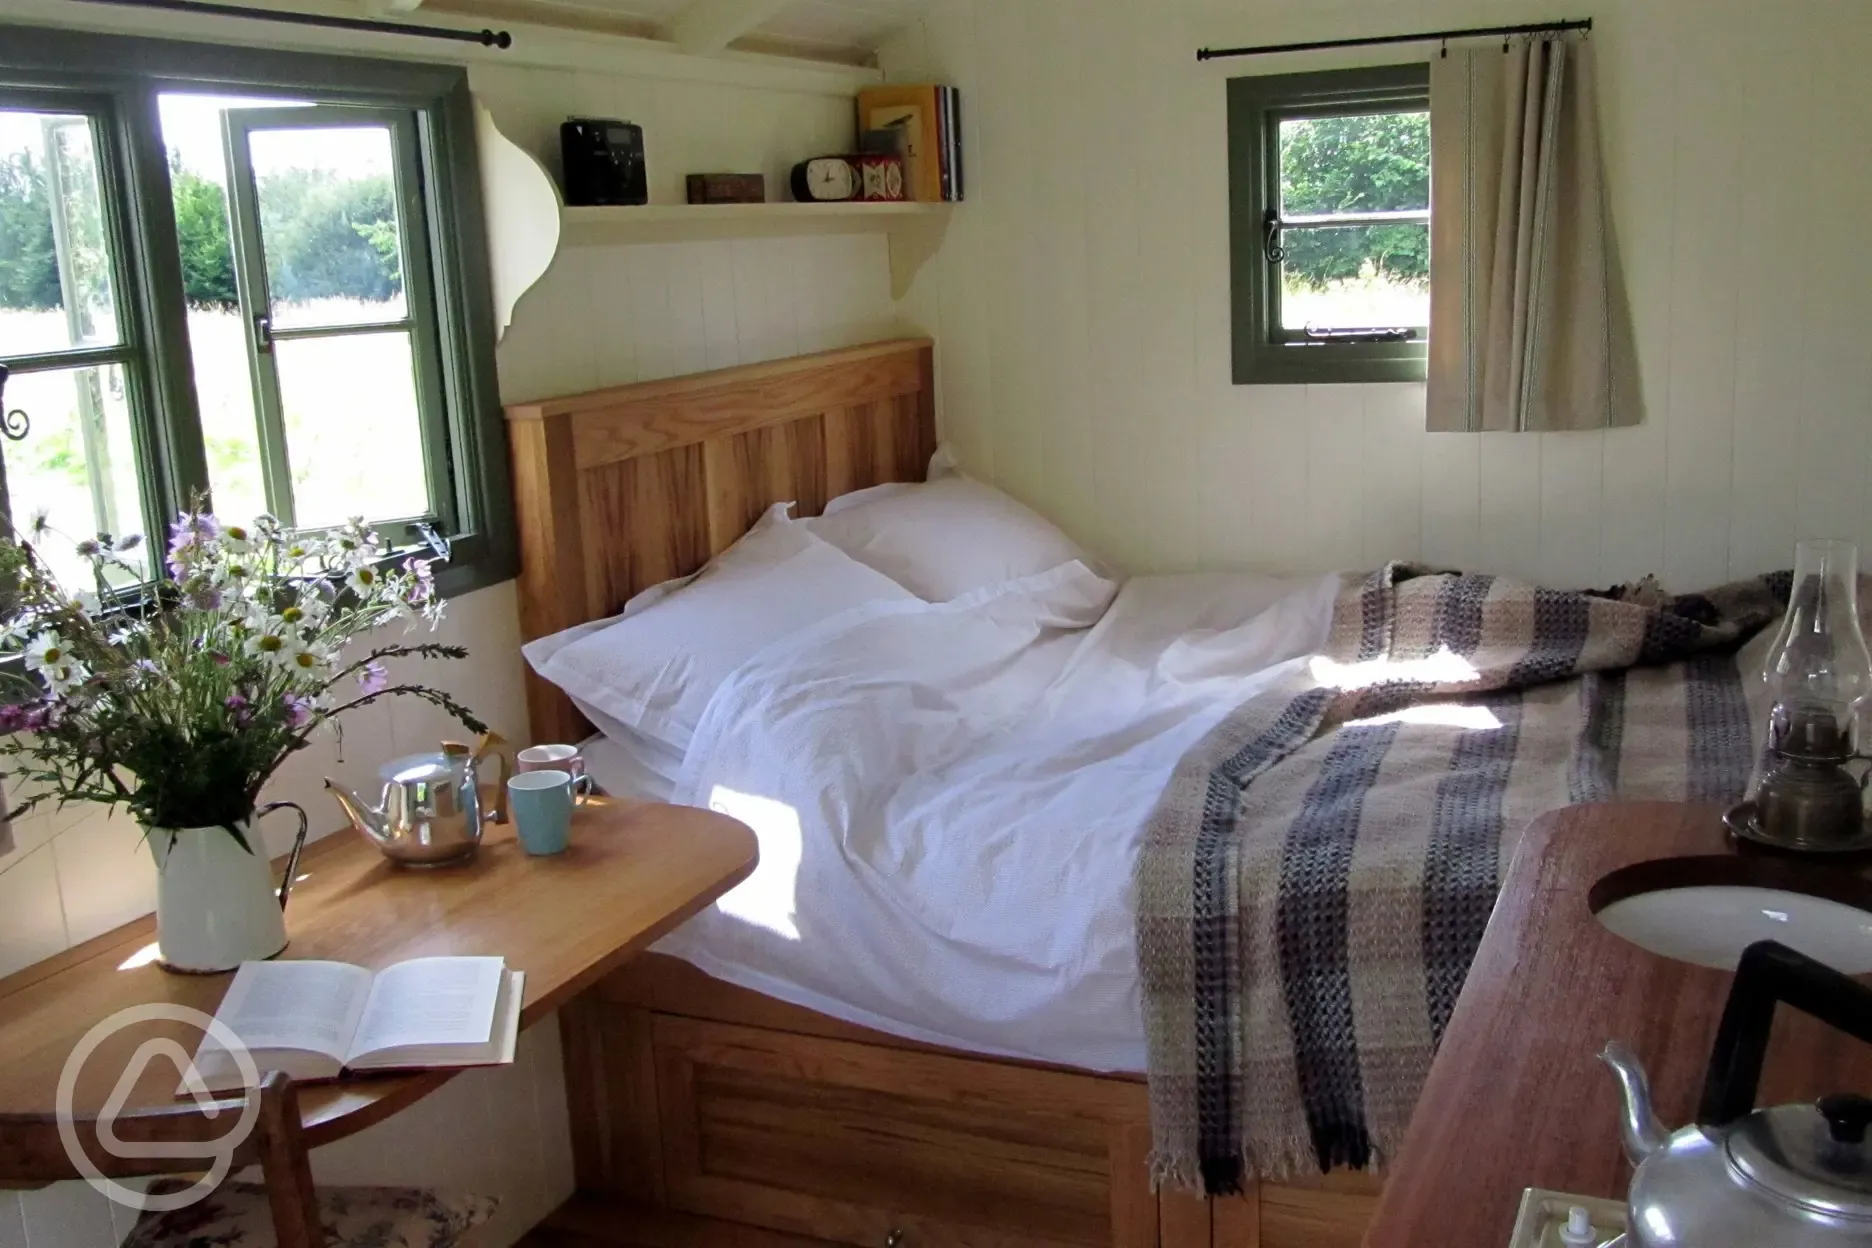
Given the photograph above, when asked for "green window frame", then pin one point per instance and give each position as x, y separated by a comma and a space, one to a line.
429, 112
1265, 353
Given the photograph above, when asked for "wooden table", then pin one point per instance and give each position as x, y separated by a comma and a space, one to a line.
634, 871
1517, 1096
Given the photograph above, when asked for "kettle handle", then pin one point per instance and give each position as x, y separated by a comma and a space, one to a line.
499, 813
1770, 973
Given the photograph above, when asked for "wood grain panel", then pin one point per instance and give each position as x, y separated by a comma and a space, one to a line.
851, 1141
1549, 987
632, 421
749, 472
1235, 1221
634, 872
1314, 1217
619, 489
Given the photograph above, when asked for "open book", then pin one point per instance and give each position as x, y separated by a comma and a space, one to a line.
316, 1020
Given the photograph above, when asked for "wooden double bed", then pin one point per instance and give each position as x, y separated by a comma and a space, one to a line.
708, 1114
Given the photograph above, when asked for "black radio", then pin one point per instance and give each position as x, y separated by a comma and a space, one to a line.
604, 162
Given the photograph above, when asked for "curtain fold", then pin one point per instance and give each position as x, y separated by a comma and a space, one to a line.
1529, 327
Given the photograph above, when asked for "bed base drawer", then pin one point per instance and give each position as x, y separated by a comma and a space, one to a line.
689, 1099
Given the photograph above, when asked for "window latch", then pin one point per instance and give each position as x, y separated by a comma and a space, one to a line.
1376, 334
438, 545
1270, 237
263, 332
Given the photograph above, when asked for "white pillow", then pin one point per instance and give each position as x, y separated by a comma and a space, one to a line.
945, 538
655, 667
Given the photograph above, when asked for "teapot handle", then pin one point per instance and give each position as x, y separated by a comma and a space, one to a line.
498, 813
1769, 974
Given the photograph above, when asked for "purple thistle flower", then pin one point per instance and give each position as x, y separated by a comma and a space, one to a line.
220, 660
186, 537
298, 709
373, 678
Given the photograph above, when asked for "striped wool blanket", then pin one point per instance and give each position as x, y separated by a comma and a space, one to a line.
1317, 874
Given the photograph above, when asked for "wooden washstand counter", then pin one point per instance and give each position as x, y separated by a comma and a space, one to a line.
1517, 1096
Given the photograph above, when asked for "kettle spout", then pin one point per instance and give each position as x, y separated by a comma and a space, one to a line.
1638, 1125
366, 818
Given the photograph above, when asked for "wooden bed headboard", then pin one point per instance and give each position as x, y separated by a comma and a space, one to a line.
618, 489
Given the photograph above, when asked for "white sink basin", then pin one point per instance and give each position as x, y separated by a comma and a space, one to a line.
1711, 924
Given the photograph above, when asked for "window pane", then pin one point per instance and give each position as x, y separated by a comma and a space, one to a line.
55, 264
76, 463
1355, 277
224, 383
224, 390
328, 224
1377, 162
352, 430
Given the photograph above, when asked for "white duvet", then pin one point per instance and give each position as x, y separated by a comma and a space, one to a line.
949, 800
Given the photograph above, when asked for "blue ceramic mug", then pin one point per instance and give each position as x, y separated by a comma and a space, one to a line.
541, 804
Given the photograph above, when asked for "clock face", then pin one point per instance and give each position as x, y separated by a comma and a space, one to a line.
831, 179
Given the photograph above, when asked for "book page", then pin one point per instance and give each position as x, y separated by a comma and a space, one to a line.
295, 1005
430, 1001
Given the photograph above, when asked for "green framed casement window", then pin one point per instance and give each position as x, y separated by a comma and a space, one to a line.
255, 275
1329, 225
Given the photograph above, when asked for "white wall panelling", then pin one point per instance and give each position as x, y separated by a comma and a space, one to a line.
1081, 298
602, 315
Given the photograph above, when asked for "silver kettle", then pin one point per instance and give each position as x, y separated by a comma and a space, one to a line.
1794, 1176
430, 812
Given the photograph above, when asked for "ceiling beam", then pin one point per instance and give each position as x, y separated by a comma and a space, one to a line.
706, 26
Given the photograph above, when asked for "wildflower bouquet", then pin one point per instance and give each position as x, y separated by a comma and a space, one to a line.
178, 702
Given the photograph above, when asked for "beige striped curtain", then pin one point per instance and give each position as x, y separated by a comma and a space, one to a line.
1529, 327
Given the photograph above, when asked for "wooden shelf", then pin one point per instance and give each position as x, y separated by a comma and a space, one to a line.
529, 223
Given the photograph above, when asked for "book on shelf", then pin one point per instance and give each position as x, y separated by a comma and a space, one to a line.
319, 1020
928, 119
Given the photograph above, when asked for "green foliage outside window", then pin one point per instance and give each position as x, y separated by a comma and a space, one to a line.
326, 237
1371, 163
28, 263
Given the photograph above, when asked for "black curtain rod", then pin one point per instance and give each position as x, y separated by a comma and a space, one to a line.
486, 38
1429, 36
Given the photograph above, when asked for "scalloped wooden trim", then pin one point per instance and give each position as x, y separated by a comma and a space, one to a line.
523, 215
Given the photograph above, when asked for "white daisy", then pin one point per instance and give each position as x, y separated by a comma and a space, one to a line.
236, 539
308, 661
364, 580
267, 644
46, 650
63, 675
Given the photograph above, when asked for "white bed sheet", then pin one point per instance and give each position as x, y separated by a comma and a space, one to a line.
950, 798
626, 768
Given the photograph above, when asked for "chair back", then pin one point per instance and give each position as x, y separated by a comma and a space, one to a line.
32, 1148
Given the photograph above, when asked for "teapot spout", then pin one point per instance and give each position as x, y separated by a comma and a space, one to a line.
1643, 1134
367, 819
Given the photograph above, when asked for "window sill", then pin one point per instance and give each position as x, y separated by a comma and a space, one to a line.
1270, 365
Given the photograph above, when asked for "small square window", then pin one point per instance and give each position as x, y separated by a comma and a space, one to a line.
1329, 222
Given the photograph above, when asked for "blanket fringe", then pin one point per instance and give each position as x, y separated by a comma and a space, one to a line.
1291, 1156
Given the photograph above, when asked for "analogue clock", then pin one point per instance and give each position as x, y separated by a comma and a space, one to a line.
825, 179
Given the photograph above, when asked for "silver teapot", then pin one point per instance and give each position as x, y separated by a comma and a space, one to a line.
430, 813
1794, 1176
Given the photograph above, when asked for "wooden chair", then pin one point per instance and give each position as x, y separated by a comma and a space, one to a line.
284, 1211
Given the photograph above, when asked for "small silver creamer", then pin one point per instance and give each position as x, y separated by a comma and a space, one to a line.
430, 813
